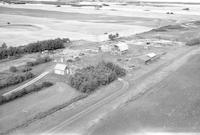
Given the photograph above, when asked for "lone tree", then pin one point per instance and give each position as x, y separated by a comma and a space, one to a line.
4, 46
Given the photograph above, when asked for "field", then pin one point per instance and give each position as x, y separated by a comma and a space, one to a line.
83, 23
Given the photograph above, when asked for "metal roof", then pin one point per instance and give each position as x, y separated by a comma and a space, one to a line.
60, 66
151, 55
122, 46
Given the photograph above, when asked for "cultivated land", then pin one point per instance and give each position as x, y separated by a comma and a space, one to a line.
85, 23
52, 111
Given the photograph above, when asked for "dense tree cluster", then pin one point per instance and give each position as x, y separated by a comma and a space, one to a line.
113, 36
29, 89
39, 46
15, 79
11, 51
4, 46
90, 78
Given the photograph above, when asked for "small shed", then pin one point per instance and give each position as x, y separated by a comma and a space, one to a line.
122, 47
151, 55
60, 69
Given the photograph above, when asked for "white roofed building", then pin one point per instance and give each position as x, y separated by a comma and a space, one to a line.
63, 69
122, 47
60, 69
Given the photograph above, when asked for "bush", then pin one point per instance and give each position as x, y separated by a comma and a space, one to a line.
15, 79
13, 69
186, 9
30, 64
88, 79
28, 75
26, 69
47, 84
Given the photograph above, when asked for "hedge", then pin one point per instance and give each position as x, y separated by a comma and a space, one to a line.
15, 79
17, 94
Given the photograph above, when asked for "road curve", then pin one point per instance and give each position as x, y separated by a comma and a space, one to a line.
89, 109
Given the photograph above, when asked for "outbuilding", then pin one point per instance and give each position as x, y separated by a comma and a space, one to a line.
60, 69
122, 47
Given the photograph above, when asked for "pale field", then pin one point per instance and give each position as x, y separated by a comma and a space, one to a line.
119, 10
45, 28
30, 28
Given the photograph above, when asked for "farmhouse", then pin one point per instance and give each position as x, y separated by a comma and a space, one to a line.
122, 47
60, 69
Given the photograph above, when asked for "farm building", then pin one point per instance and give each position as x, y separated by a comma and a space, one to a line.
122, 47
149, 57
60, 69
